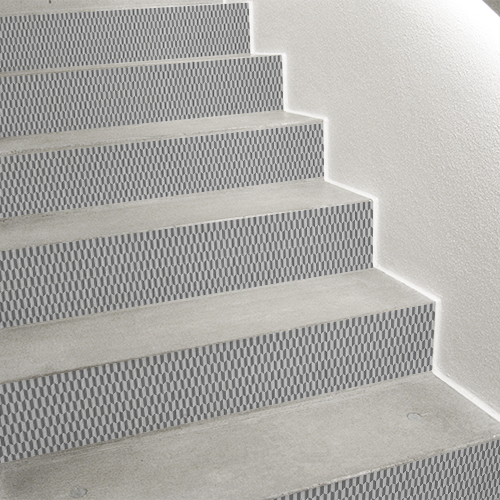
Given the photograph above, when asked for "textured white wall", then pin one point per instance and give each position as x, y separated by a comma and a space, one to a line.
412, 93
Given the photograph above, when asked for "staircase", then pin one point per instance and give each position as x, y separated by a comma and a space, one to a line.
188, 310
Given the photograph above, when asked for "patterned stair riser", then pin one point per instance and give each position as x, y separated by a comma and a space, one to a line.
121, 399
467, 474
103, 37
82, 277
60, 180
73, 100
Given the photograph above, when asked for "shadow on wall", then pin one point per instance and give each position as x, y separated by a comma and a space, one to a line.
494, 4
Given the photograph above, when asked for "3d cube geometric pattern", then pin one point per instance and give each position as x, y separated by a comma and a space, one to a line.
75, 178
106, 402
466, 474
93, 98
73, 39
88, 276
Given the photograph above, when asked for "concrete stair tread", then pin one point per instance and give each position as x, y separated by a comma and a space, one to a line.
126, 134
266, 453
57, 346
129, 64
14, 8
135, 217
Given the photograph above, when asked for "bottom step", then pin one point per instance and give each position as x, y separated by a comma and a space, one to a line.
413, 438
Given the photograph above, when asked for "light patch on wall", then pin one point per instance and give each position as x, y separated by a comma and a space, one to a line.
482, 10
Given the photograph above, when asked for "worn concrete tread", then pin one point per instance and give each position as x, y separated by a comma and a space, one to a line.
263, 454
146, 215
57, 346
75, 139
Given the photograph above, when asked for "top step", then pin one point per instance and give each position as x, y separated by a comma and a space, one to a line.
73, 39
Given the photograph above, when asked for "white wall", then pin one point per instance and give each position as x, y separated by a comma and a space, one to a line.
412, 93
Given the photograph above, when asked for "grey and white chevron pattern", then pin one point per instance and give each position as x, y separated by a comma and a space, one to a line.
88, 276
74, 100
101, 37
107, 402
467, 474
60, 180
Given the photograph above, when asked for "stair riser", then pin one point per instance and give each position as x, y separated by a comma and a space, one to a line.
66, 179
97, 404
103, 37
75, 100
71, 279
467, 474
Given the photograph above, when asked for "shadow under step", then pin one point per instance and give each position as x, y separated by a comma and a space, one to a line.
98, 259
67, 170
411, 438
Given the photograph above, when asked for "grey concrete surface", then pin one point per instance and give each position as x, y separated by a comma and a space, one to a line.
15, 7
126, 65
57, 346
75, 139
133, 217
262, 454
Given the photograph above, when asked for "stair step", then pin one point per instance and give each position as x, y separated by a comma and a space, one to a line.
98, 259
110, 36
207, 357
49, 101
77, 169
144, 132
384, 440
200, 208
58, 346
